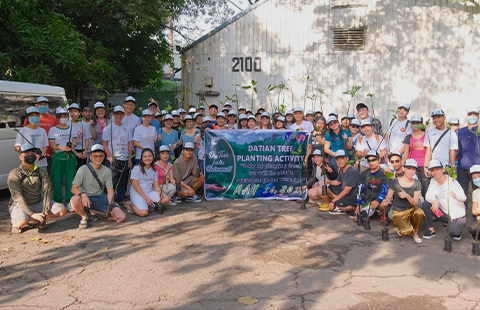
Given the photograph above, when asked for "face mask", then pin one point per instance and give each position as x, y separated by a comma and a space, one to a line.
30, 159
43, 109
476, 182
34, 119
63, 120
472, 120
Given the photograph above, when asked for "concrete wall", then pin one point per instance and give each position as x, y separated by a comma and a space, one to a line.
421, 52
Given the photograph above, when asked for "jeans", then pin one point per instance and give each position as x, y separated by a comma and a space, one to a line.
456, 225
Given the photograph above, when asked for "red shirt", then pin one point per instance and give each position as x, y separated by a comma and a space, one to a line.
46, 123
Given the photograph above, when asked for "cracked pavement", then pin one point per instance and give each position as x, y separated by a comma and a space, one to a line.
207, 255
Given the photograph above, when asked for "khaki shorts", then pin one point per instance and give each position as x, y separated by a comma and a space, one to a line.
18, 215
189, 181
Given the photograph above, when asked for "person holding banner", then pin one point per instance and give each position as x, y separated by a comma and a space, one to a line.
280, 123
187, 174
265, 121
321, 174
252, 122
243, 121
346, 200
221, 120
299, 122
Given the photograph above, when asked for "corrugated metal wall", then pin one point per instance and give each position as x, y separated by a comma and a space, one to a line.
421, 52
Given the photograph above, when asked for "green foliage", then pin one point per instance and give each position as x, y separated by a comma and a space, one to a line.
390, 175
352, 91
451, 172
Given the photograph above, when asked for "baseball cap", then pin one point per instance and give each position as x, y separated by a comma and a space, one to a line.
164, 112
350, 115
372, 153
168, 116
404, 105
242, 108
437, 112
355, 122
164, 148
197, 115
252, 117
74, 106
201, 106
310, 112
265, 114
26, 147
118, 108
331, 119
152, 103
97, 148
61, 110
289, 112
146, 112
188, 145
474, 169
42, 99
394, 154
470, 111
416, 119
281, 118
340, 153
192, 110
242, 116
297, 109
434, 164
207, 119
227, 104
31, 110
213, 106
454, 120
181, 111
129, 98
188, 117
232, 112
344, 116
361, 105
365, 122
317, 152
175, 113
221, 114
98, 105
411, 163
158, 114
333, 113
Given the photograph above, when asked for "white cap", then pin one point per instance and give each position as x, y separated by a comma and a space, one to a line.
280, 118
188, 117
151, 103
310, 112
317, 152
31, 110
164, 148
470, 111
242, 116
242, 107
221, 114
454, 120
417, 119
394, 154
411, 163
158, 114
434, 164
61, 110
118, 108
405, 105
355, 122
265, 114
189, 145
27, 147
297, 109
474, 169
232, 112
252, 117
438, 112
97, 147
201, 106
74, 106
98, 104
146, 112
168, 116
175, 113
333, 113
365, 122
181, 111
192, 110
207, 119
42, 99
372, 153
129, 98
340, 153
197, 115
164, 112
351, 115
331, 119
289, 112
227, 103
344, 116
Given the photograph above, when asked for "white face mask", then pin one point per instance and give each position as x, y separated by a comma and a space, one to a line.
63, 120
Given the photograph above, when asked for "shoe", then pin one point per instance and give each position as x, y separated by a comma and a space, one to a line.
171, 203
323, 207
69, 207
417, 239
351, 214
429, 234
129, 207
457, 238
193, 198
336, 211
176, 199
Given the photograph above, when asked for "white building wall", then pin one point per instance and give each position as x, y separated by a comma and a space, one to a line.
420, 52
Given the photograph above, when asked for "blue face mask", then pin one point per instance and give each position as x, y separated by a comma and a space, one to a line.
34, 119
43, 109
472, 120
476, 182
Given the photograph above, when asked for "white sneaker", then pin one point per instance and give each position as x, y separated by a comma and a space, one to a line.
69, 207
193, 198
171, 203
457, 238
337, 211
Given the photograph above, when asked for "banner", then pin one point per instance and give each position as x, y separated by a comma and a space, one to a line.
259, 164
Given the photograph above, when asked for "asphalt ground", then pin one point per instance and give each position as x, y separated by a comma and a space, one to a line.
208, 255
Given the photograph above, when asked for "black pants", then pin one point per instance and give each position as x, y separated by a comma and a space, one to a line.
423, 180
464, 178
81, 161
456, 225
473, 229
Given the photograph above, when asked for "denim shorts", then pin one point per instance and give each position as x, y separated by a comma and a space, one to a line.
99, 203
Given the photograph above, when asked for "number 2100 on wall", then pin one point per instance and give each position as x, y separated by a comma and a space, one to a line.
247, 64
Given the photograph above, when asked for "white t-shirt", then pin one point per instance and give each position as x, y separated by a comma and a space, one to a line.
440, 193
145, 181
121, 137
397, 132
371, 143
82, 131
146, 137
38, 137
304, 126
449, 142
131, 121
61, 136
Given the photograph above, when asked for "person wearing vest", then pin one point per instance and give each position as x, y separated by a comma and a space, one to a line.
165, 174
31, 193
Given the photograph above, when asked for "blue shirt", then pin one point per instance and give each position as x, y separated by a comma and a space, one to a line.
468, 145
168, 139
185, 138
337, 144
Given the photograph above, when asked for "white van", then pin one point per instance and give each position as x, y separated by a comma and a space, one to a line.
15, 97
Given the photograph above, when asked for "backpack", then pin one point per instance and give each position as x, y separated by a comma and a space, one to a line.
166, 170
376, 137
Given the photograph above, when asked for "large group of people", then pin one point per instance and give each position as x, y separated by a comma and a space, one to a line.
88, 161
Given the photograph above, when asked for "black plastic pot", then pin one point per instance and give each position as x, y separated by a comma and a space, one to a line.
324, 190
476, 248
448, 244
303, 204
385, 236
366, 223
160, 208
360, 219
179, 186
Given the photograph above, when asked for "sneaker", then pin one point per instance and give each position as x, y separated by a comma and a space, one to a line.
129, 207
417, 239
336, 211
457, 238
193, 198
323, 207
69, 207
429, 234
176, 199
171, 203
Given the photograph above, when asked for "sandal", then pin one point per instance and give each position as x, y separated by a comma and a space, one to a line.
83, 223
16, 230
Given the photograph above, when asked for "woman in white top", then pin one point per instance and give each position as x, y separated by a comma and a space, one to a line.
442, 192
145, 191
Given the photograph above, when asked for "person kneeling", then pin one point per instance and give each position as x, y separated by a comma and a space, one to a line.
444, 195
322, 173
145, 192
89, 189
406, 192
187, 173
31, 193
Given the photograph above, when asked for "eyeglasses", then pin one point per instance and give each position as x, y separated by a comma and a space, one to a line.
372, 160
354, 126
395, 161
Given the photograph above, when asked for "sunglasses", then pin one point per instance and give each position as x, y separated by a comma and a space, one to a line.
395, 161
354, 126
372, 160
